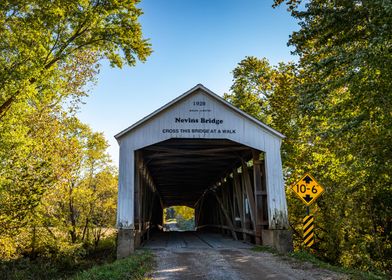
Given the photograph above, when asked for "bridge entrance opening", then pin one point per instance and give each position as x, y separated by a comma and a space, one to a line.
218, 178
201, 152
179, 218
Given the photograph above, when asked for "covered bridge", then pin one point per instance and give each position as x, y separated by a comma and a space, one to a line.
202, 152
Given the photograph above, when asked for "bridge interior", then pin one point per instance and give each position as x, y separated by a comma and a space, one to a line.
221, 179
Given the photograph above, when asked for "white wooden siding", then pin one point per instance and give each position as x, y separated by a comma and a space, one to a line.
247, 132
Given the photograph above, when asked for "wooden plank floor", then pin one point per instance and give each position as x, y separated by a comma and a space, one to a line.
193, 239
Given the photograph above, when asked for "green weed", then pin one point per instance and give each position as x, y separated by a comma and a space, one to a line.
133, 267
262, 248
355, 274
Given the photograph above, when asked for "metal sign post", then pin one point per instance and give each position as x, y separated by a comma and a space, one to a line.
308, 190
308, 227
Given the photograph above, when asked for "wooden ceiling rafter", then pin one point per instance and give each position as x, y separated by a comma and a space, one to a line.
183, 169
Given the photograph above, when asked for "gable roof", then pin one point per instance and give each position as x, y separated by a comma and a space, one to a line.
188, 93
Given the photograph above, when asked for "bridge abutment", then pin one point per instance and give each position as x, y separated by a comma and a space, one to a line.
280, 239
125, 243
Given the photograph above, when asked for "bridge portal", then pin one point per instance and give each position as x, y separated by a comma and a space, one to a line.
202, 152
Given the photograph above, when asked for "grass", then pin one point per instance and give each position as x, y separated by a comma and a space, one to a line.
78, 262
99, 264
133, 267
261, 248
352, 273
58, 264
303, 256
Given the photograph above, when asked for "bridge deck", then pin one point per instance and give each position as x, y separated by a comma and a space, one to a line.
193, 239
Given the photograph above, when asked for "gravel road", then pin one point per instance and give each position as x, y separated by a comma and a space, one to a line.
195, 256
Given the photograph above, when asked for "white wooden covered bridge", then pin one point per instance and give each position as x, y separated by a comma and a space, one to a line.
202, 152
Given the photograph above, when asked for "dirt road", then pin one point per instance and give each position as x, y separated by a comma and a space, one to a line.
195, 256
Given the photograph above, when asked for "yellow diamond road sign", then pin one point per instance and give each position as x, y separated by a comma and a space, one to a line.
307, 189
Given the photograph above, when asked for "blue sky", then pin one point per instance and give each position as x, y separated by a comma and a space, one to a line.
194, 41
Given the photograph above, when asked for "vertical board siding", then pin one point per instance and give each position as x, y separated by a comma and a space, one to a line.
125, 211
277, 206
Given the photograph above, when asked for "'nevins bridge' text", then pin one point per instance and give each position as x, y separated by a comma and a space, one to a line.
201, 120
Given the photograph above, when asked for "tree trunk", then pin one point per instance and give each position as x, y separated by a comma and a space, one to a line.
5, 106
72, 218
85, 229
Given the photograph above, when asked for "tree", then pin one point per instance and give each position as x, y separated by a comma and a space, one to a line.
346, 96
103, 216
185, 217
84, 196
27, 166
268, 93
30, 143
345, 228
251, 87
185, 212
40, 38
49, 54
55, 175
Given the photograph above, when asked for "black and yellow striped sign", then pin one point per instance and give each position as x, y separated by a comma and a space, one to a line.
308, 230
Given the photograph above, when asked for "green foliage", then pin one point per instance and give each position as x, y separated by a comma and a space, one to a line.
59, 262
251, 87
182, 216
60, 180
42, 39
185, 224
335, 109
268, 93
326, 138
57, 185
84, 196
186, 212
346, 98
133, 267
185, 217
44, 147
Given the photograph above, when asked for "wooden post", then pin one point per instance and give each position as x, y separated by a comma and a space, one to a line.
233, 202
220, 213
230, 202
199, 211
227, 201
230, 224
258, 196
249, 193
264, 195
219, 217
143, 202
137, 205
152, 200
240, 200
